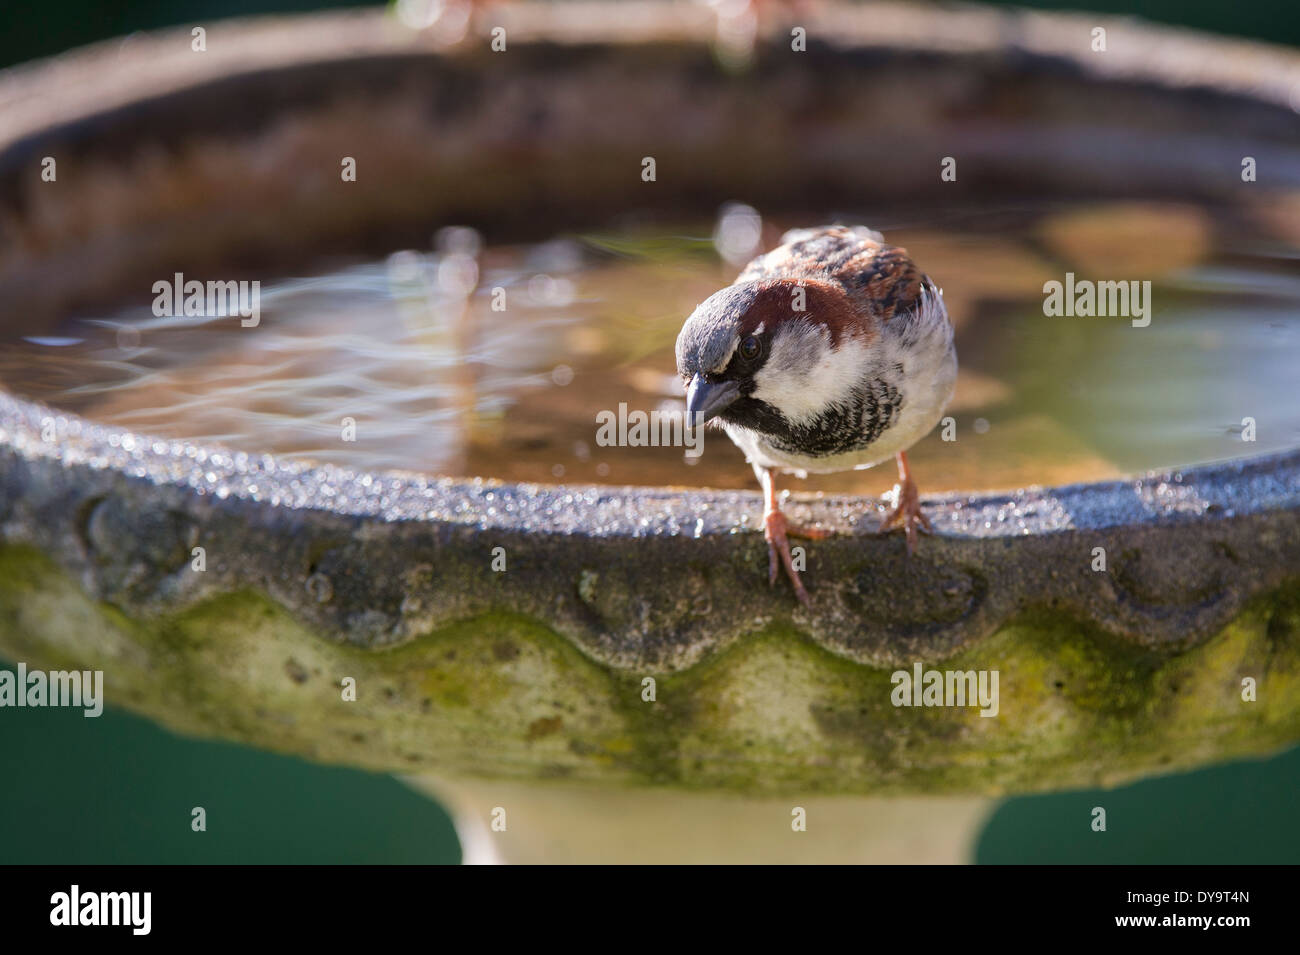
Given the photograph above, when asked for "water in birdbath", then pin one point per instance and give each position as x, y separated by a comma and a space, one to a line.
512, 362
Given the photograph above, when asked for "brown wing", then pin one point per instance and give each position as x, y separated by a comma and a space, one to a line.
879, 279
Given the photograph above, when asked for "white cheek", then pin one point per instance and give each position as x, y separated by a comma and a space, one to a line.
804, 376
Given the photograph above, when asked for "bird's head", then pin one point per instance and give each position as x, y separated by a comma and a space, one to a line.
781, 347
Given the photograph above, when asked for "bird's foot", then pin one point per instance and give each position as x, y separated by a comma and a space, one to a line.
778, 531
907, 514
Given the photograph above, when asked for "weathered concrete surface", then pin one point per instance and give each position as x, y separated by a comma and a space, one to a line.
637, 578
314, 575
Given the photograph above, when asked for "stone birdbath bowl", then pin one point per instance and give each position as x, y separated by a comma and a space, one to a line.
526, 691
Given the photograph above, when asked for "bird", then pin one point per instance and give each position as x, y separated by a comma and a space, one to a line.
832, 351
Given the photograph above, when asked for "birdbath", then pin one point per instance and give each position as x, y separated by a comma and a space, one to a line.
629, 688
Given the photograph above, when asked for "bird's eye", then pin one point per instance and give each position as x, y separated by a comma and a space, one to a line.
750, 348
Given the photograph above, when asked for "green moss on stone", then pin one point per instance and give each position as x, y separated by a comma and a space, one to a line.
503, 696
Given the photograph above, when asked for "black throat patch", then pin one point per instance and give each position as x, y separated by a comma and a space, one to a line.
870, 411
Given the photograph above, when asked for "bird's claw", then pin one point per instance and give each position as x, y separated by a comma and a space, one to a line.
907, 514
778, 531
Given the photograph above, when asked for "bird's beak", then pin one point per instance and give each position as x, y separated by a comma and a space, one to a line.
705, 400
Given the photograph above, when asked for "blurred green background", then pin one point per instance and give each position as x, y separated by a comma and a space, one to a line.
119, 789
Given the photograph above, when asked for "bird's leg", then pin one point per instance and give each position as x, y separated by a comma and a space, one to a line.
777, 530
907, 507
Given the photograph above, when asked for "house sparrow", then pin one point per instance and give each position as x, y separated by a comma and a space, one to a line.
830, 352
